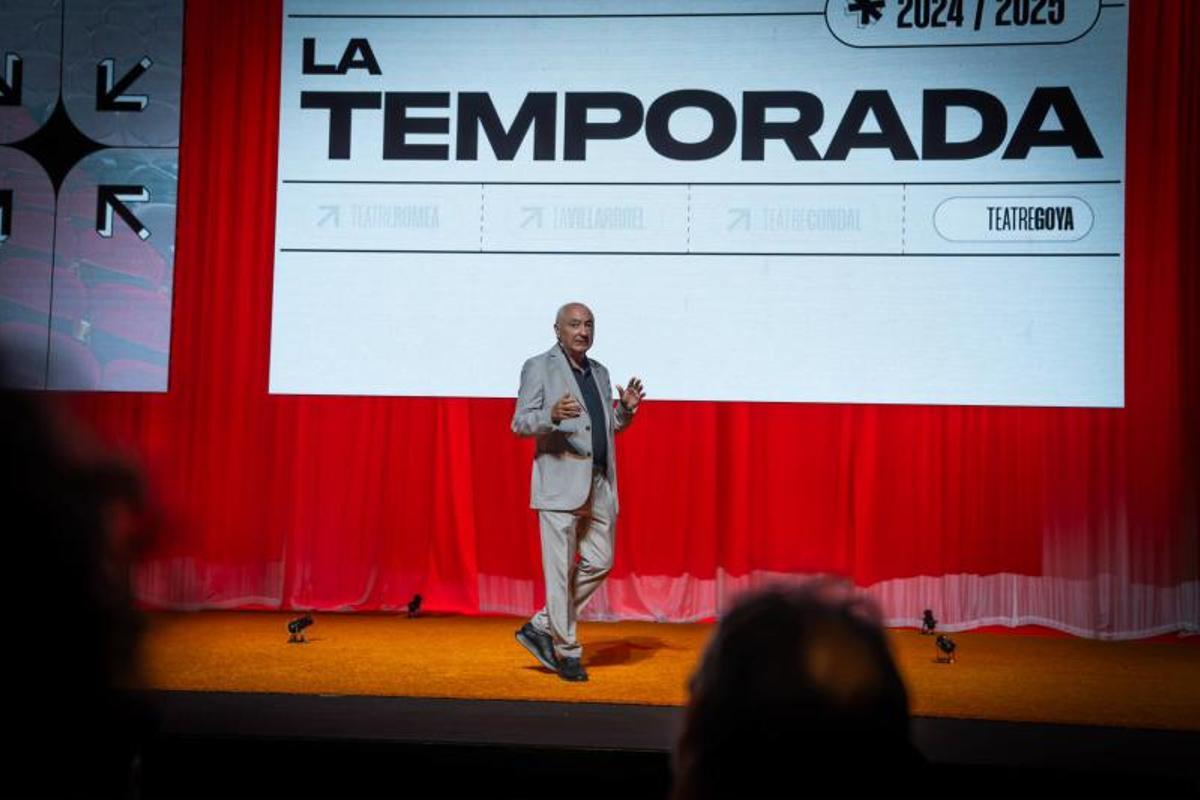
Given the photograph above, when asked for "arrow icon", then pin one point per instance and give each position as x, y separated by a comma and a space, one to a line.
331, 213
740, 217
533, 215
10, 84
110, 198
109, 95
6, 205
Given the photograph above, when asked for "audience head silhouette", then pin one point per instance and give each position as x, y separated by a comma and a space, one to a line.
796, 695
73, 521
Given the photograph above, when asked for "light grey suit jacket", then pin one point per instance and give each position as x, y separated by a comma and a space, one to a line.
562, 462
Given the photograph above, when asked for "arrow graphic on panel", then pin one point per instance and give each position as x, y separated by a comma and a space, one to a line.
110, 198
331, 213
10, 82
6, 205
533, 216
110, 96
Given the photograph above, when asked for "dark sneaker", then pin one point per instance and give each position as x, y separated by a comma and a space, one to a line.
539, 644
570, 669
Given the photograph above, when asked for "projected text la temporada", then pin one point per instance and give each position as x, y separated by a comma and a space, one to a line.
1050, 118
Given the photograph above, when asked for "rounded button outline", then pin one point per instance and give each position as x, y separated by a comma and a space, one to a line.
1086, 31
1080, 200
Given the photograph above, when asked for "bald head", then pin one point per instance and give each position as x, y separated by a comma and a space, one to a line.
565, 310
575, 328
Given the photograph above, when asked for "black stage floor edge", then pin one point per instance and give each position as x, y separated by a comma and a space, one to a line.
275, 745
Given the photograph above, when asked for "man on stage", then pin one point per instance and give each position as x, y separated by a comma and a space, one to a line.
565, 401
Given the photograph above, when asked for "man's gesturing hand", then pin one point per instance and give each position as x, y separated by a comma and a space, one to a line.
566, 407
631, 396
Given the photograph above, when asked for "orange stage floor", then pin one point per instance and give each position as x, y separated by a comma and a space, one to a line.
998, 676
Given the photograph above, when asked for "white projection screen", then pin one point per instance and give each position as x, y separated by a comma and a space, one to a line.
915, 201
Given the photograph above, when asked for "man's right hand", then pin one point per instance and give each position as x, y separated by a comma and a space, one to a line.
566, 408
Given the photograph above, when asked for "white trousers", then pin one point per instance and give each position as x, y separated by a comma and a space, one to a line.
587, 532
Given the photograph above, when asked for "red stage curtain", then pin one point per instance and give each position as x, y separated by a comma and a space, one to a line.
1083, 519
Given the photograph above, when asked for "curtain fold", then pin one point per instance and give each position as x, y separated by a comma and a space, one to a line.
1081, 519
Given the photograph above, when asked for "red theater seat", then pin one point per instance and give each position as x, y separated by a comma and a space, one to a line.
72, 365
29, 183
124, 254
142, 316
32, 229
26, 282
70, 296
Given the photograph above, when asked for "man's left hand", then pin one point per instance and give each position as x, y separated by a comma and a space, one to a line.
632, 395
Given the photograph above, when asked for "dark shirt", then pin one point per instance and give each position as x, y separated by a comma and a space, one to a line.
595, 409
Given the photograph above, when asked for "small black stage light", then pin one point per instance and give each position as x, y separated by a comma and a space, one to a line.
296, 629
928, 622
945, 649
414, 606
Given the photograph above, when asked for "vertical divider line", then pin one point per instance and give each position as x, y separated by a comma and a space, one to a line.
62, 46
688, 248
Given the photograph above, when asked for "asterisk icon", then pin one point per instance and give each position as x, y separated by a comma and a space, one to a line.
868, 10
